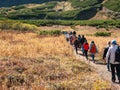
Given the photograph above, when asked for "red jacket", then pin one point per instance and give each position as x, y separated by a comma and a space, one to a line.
86, 46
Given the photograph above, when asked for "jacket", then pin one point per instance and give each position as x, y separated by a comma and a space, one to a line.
111, 54
86, 46
105, 51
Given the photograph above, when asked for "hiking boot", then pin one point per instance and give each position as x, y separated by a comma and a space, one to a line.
113, 81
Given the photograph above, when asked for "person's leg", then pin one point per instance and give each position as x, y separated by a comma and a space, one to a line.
113, 72
86, 54
118, 71
93, 56
108, 65
76, 50
82, 49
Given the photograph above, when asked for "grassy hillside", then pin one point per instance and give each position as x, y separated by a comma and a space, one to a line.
113, 9
79, 11
113, 5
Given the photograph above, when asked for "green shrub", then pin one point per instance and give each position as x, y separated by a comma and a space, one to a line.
103, 34
23, 27
49, 32
95, 23
8, 25
113, 5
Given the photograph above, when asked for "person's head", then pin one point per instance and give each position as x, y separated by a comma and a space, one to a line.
92, 42
113, 42
82, 36
109, 43
74, 32
79, 36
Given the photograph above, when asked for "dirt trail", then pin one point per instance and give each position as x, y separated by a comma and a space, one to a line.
100, 68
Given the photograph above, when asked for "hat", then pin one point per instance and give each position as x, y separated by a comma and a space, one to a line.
113, 42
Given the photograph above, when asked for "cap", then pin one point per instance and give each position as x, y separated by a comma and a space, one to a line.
113, 42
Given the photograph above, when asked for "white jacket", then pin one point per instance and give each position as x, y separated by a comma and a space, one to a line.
111, 53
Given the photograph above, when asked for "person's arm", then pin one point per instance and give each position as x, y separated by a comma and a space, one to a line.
108, 54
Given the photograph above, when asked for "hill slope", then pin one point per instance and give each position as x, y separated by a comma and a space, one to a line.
112, 8
64, 10
113, 5
60, 9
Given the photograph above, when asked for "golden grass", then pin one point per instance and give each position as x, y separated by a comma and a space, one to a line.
31, 45
43, 63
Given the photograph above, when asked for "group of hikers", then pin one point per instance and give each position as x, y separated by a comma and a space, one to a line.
111, 53
80, 42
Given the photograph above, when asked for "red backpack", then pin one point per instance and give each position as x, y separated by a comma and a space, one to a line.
93, 49
86, 46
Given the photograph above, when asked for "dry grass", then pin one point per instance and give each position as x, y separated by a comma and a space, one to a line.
32, 62
31, 45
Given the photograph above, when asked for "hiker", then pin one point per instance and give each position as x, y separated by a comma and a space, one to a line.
83, 39
74, 32
93, 50
73, 37
104, 55
67, 36
115, 66
76, 45
86, 47
70, 34
79, 40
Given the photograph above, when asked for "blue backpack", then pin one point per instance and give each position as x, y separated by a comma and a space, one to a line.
117, 54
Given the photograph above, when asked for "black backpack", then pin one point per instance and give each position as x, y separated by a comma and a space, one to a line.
117, 54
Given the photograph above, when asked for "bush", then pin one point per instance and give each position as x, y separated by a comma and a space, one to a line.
103, 34
23, 27
8, 25
50, 32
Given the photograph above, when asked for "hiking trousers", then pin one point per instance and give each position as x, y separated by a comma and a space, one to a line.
108, 65
76, 49
86, 54
115, 67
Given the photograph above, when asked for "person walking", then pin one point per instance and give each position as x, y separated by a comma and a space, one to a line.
104, 55
83, 39
67, 36
115, 66
76, 45
79, 40
93, 50
86, 47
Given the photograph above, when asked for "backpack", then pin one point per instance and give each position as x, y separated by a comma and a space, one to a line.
86, 46
93, 49
117, 54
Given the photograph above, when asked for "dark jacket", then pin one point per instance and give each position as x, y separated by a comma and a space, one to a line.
105, 52
82, 40
76, 43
